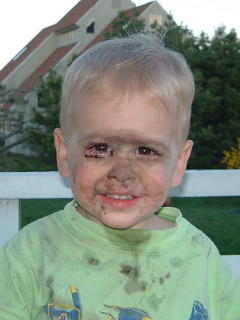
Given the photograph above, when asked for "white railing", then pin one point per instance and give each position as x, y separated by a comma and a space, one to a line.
15, 186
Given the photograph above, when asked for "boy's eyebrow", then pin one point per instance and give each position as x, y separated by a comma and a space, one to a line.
133, 139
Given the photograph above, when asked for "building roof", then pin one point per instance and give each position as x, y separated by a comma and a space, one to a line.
43, 69
33, 44
69, 19
50, 62
75, 13
130, 13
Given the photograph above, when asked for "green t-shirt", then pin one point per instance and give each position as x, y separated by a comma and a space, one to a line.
67, 267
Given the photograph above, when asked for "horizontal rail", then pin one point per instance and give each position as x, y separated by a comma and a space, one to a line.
15, 186
47, 185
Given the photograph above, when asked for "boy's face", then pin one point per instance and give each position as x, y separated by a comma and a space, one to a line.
122, 158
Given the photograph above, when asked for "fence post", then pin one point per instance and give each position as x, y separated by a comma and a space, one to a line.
10, 219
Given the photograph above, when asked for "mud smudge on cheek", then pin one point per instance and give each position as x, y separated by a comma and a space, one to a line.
157, 190
109, 184
85, 192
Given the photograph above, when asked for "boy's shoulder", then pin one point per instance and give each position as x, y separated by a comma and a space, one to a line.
190, 235
39, 231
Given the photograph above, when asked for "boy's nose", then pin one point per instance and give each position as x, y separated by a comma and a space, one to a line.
122, 170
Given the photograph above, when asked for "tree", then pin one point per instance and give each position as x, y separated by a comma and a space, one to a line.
216, 111
11, 122
125, 25
46, 117
232, 157
216, 108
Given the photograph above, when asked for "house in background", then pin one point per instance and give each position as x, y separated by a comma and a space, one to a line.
84, 25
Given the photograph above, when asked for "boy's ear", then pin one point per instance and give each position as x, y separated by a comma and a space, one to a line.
61, 153
182, 163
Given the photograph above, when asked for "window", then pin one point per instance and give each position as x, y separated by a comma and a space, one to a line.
91, 27
19, 54
67, 29
2, 140
155, 18
10, 123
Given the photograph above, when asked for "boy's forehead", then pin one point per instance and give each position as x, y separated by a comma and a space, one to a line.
123, 137
129, 119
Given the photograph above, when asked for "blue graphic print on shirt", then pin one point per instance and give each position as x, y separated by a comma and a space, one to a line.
198, 312
128, 314
57, 311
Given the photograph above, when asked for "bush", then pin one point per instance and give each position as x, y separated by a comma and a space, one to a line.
232, 157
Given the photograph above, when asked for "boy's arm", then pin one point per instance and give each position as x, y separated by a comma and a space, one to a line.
16, 292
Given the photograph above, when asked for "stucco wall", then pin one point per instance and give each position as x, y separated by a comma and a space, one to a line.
32, 62
153, 10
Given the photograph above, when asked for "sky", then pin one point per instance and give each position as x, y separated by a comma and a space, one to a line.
21, 20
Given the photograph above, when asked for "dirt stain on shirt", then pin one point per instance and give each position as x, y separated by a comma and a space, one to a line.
133, 284
93, 261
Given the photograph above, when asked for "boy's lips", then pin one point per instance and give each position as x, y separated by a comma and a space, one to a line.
119, 201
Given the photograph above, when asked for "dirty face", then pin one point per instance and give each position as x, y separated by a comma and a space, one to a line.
122, 158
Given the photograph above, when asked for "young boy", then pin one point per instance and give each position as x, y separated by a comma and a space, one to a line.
114, 252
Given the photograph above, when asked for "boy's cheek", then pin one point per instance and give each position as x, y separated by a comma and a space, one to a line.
181, 165
85, 177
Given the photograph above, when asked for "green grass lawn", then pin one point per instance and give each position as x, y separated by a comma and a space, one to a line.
219, 218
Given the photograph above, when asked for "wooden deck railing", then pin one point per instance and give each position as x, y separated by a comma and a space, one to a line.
15, 186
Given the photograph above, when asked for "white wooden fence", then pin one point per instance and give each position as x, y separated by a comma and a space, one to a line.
15, 186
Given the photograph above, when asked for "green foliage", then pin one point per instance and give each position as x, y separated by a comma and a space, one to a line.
11, 121
10, 162
46, 117
232, 157
125, 25
216, 108
176, 37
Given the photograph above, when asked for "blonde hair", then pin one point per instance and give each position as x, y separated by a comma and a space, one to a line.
139, 62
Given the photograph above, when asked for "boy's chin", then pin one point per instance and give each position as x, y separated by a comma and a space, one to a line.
120, 221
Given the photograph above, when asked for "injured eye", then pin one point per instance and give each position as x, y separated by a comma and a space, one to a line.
98, 150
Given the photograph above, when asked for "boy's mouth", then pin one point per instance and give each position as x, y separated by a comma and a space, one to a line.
120, 197
119, 201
